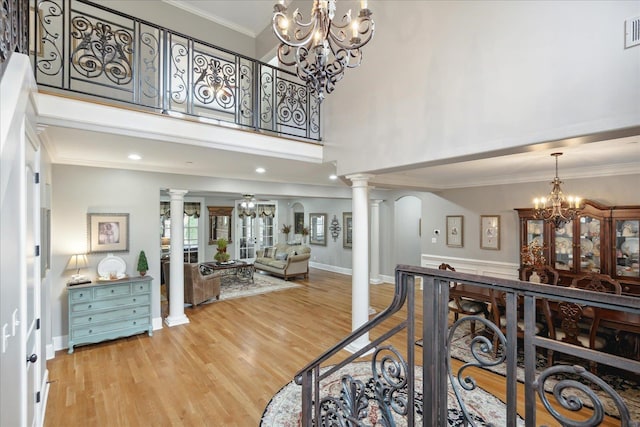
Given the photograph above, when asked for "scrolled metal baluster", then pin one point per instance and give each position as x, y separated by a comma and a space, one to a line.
482, 350
179, 89
391, 379
266, 98
147, 76
246, 85
49, 11
562, 393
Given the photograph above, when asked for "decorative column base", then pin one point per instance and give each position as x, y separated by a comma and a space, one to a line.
359, 344
176, 320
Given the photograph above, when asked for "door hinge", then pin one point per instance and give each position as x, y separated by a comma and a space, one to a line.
38, 323
38, 397
37, 177
37, 250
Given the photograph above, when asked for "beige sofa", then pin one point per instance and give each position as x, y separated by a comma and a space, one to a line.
284, 260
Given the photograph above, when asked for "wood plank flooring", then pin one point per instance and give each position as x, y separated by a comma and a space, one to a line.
219, 370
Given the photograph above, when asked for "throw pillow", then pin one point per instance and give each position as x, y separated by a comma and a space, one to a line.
281, 256
269, 252
205, 270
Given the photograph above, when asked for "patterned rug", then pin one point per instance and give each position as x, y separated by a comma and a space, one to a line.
284, 409
233, 287
625, 384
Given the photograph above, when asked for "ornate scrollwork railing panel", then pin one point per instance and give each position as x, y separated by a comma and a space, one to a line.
90, 49
14, 29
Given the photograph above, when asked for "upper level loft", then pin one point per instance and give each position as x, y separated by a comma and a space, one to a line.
87, 51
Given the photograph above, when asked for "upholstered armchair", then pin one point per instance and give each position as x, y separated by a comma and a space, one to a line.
199, 288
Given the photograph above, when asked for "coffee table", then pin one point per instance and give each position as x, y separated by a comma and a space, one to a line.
235, 267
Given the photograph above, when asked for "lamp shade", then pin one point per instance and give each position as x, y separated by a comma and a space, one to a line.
76, 262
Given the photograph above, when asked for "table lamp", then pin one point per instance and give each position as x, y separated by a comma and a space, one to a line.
76, 262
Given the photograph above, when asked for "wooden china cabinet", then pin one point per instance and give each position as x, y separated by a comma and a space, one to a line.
602, 238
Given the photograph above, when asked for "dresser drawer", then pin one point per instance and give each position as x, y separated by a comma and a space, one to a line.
110, 303
80, 295
87, 331
111, 291
111, 315
140, 288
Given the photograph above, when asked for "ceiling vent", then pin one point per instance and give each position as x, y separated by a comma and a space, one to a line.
632, 32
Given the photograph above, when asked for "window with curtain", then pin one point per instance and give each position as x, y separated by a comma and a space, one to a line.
190, 217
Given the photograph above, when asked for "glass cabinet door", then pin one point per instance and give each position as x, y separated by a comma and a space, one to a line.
627, 248
535, 231
589, 244
564, 247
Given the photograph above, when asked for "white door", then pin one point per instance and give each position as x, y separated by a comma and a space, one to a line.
255, 231
32, 354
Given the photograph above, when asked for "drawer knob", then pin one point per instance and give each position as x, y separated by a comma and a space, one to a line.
135, 323
90, 305
81, 295
112, 290
135, 311
90, 331
134, 300
90, 319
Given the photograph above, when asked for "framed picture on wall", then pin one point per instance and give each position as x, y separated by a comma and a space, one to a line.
298, 222
347, 234
455, 231
108, 232
490, 232
318, 229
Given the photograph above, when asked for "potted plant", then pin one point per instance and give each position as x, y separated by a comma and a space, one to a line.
222, 255
143, 266
286, 229
305, 233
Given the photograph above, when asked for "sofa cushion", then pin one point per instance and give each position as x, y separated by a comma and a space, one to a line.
281, 256
269, 252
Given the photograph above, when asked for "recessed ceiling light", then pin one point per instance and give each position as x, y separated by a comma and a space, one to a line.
135, 156
261, 170
333, 177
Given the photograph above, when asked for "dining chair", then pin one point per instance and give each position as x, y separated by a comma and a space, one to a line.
579, 324
462, 305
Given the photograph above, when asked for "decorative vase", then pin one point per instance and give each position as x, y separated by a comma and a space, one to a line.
143, 272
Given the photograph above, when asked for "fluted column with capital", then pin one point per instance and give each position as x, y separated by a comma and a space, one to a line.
176, 259
360, 257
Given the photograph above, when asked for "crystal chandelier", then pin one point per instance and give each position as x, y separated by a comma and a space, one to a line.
322, 48
556, 208
248, 206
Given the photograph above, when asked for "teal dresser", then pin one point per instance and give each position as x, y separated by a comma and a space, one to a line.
109, 310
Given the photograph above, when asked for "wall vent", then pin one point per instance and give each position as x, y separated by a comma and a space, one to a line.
632, 32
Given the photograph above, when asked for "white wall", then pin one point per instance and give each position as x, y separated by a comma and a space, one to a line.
179, 20
445, 79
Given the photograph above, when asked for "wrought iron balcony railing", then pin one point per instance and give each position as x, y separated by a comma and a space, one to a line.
89, 49
410, 379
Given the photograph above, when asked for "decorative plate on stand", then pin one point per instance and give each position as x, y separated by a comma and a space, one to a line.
111, 267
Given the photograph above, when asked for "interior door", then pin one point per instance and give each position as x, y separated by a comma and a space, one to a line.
32, 355
256, 230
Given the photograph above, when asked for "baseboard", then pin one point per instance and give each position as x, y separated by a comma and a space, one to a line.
60, 343
156, 322
333, 268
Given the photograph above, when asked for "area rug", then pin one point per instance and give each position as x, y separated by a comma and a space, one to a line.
284, 409
232, 287
626, 386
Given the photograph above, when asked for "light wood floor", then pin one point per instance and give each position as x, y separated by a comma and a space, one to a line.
221, 369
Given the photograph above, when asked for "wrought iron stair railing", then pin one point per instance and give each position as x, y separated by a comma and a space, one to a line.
90, 50
409, 354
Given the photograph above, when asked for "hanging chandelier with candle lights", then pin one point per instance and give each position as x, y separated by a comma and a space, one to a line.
322, 48
556, 208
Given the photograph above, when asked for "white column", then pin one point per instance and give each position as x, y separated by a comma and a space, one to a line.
375, 243
176, 270
360, 257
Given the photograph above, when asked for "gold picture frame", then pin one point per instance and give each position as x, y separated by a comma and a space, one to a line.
490, 232
107, 232
455, 230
